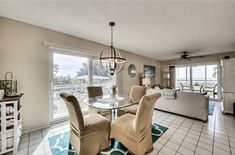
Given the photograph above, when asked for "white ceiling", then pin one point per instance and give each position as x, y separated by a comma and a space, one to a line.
156, 29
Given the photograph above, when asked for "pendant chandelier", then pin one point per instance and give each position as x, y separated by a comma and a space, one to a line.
112, 62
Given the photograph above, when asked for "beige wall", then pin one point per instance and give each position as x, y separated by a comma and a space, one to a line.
22, 52
215, 58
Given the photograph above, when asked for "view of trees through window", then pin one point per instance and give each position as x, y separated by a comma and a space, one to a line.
71, 73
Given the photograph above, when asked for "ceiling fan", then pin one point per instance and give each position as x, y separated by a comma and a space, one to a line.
186, 56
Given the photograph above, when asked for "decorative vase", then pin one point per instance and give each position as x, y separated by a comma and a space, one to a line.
140, 78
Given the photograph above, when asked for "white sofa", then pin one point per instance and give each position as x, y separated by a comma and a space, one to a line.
191, 104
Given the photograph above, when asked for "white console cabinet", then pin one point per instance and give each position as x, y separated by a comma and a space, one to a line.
11, 124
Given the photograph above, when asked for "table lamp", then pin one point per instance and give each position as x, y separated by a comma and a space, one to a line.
146, 82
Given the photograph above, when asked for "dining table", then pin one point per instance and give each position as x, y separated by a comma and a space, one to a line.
110, 103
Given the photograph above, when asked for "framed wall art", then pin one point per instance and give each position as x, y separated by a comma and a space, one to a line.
150, 73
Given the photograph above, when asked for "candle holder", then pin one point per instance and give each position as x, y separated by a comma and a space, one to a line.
114, 90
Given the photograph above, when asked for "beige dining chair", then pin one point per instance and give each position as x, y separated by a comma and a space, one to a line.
88, 135
94, 91
136, 93
134, 131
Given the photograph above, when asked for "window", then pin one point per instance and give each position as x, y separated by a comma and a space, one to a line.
182, 76
211, 75
72, 73
198, 75
201, 75
102, 78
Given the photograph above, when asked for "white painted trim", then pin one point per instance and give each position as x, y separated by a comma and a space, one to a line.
195, 64
71, 52
59, 120
35, 129
50, 87
60, 47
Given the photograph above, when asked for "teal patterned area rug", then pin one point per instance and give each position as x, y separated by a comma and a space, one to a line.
211, 107
59, 143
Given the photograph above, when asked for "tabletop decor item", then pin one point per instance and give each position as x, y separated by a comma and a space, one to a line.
114, 62
114, 90
146, 82
2, 94
140, 78
8, 84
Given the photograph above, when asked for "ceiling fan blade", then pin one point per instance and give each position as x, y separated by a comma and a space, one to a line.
200, 56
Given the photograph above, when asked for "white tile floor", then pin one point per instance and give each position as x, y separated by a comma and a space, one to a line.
184, 136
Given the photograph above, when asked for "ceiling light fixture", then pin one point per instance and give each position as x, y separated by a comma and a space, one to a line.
114, 62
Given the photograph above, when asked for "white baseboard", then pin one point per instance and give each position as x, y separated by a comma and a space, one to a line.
35, 129
65, 119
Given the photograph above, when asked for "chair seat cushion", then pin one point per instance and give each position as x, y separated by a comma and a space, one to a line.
124, 126
94, 123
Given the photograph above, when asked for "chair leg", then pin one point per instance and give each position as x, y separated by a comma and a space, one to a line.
112, 142
70, 146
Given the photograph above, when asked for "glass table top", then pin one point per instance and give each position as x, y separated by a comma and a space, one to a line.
109, 102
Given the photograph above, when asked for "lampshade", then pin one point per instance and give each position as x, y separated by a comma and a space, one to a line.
146, 81
166, 76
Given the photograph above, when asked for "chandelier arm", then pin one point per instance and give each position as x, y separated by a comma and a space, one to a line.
102, 63
121, 68
101, 54
114, 53
107, 71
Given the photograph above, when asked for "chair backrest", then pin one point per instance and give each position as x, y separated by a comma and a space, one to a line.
75, 112
144, 112
137, 92
94, 91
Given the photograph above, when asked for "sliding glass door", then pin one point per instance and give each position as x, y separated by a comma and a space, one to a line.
72, 73
198, 78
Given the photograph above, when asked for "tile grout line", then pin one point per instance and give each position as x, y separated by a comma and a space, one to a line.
28, 144
168, 128
213, 144
198, 139
213, 134
185, 137
172, 134
164, 120
230, 147
42, 142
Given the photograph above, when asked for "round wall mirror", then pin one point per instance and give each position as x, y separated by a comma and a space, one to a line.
132, 70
